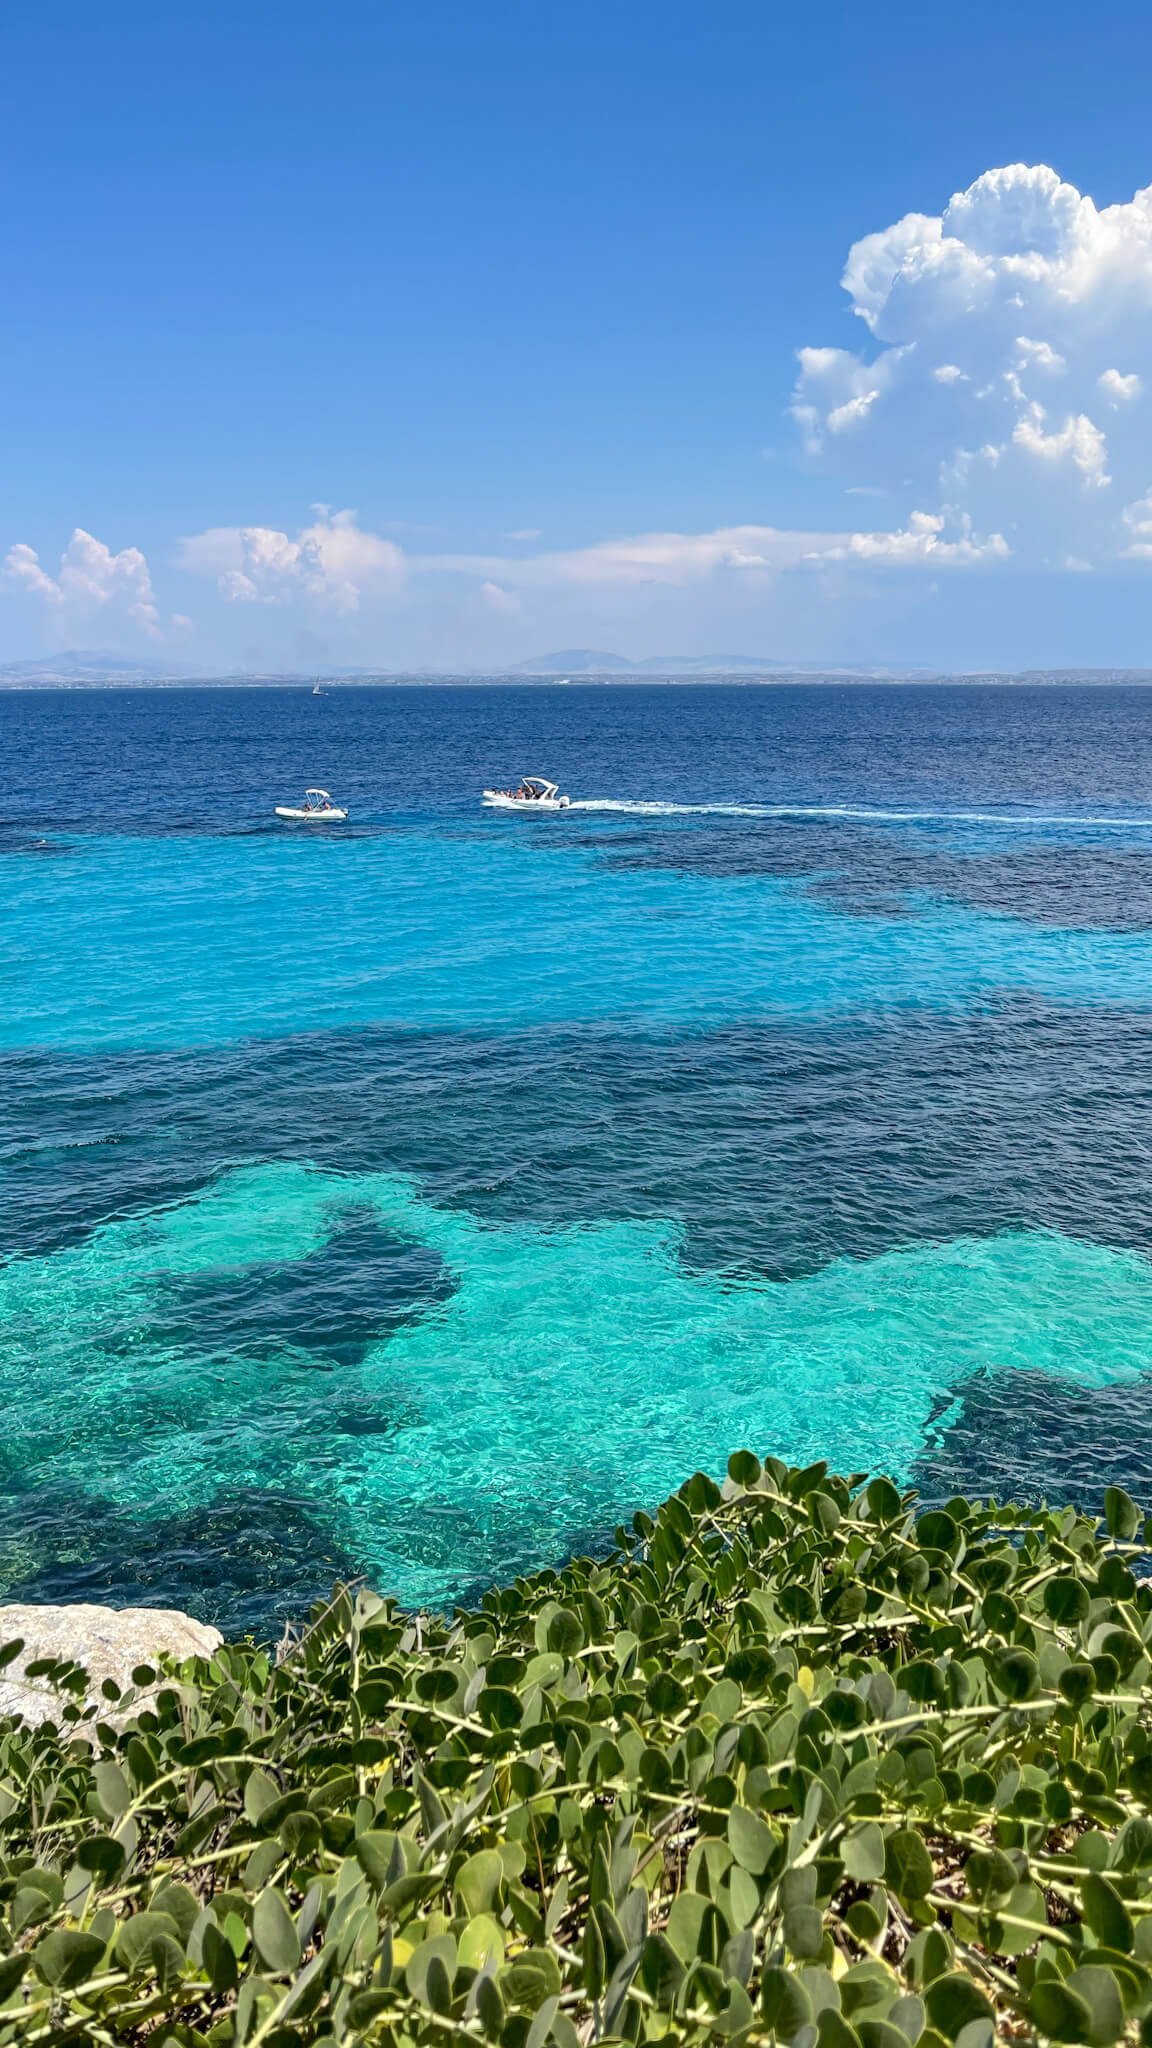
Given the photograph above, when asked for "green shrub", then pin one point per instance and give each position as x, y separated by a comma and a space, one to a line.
792, 1765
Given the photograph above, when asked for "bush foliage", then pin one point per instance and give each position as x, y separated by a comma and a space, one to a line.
792, 1765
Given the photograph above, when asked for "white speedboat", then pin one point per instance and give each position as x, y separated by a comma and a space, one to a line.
316, 809
533, 794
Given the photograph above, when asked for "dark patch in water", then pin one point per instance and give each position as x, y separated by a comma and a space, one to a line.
246, 1562
863, 870
778, 1148
1027, 1437
360, 1287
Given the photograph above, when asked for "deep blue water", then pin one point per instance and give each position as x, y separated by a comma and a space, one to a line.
418, 1197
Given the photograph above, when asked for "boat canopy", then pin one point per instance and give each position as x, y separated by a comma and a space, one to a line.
539, 784
322, 794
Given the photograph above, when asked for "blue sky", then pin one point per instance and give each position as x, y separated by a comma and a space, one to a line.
520, 296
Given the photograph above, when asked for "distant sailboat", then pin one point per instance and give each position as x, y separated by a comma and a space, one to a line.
317, 691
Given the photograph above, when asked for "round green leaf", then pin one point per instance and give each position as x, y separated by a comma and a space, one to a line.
260, 1792
479, 1882
499, 1707
784, 2003
439, 1949
112, 1789
102, 1857
744, 1468
1000, 1613
219, 1961
565, 1632
1134, 1844
65, 1958
135, 1937
481, 1943
530, 1978
937, 1531
1077, 1682
1059, 2012
1121, 1514
834, 2031
1106, 1913
907, 1865
1098, 1987
880, 2034
12, 1968
274, 1934
490, 2007
753, 1843
665, 1694
685, 1922
1016, 1673
884, 1502
437, 1685
954, 2001
804, 1931
863, 1852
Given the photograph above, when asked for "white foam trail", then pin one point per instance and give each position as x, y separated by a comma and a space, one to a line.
639, 809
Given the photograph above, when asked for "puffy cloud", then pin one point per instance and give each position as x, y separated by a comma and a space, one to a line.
498, 599
332, 563
1037, 355
1119, 388
1137, 520
923, 540
1021, 288
90, 579
23, 563
1079, 441
837, 390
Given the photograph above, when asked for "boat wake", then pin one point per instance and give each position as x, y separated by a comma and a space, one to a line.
853, 813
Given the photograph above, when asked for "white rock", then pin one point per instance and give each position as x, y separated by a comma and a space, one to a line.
107, 1642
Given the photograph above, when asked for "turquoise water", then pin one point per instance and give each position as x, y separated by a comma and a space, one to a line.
568, 1371
189, 941
418, 1200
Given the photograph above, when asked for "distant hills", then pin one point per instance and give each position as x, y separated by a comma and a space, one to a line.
83, 665
85, 668
77, 666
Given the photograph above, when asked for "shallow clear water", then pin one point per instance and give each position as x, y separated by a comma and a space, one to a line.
417, 1198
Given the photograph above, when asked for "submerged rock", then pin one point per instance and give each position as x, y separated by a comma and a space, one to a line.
106, 1642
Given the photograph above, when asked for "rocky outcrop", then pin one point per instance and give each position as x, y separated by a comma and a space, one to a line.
107, 1642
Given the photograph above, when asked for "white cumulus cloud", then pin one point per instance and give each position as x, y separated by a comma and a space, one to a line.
1021, 291
1038, 355
1137, 519
924, 539
90, 579
333, 563
1078, 441
1120, 388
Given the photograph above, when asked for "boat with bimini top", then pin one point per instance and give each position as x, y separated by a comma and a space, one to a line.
534, 793
316, 809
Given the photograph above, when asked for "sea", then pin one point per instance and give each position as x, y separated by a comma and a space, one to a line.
414, 1199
